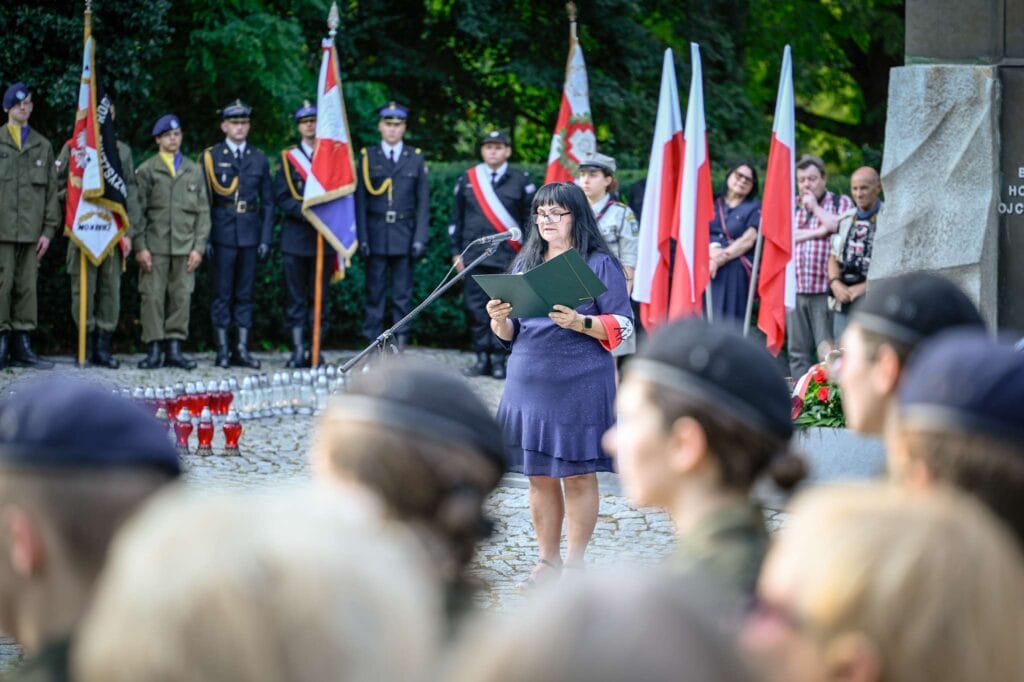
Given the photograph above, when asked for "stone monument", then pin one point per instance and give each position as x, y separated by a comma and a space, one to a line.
953, 168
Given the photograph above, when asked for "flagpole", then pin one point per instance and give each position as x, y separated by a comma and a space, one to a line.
83, 275
755, 271
318, 302
708, 304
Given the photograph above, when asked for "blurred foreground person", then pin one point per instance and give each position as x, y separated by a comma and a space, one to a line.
893, 317
869, 584
422, 443
233, 587
75, 463
702, 413
960, 420
615, 626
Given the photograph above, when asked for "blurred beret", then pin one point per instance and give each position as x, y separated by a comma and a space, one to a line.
962, 380
911, 307
236, 110
61, 423
307, 110
495, 137
165, 123
426, 402
393, 111
14, 94
598, 162
719, 367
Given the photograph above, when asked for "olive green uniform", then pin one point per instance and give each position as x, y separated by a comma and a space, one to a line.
175, 220
51, 664
28, 210
103, 306
727, 548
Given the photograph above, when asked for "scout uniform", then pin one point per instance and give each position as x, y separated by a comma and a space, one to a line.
103, 306
175, 221
393, 223
298, 242
28, 211
485, 200
241, 197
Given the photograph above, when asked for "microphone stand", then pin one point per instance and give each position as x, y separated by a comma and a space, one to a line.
383, 343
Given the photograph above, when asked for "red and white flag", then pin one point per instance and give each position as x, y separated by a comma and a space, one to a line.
574, 137
661, 204
776, 284
692, 271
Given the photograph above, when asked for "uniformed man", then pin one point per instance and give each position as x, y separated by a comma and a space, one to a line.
489, 197
66, 486
298, 236
169, 242
103, 304
392, 218
29, 216
242, 216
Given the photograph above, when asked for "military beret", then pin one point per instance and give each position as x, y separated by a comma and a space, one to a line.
717, 366
913, 306
307, 110
236, 110
165, 123
62, 423
14, 94
962, 380
393, 111
494, 137
598, 162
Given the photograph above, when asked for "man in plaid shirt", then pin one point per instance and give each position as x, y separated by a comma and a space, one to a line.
817, 218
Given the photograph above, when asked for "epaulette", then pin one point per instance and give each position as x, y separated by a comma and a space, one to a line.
363, 151
418, 150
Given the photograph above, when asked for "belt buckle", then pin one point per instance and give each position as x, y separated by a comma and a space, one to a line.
240, 206
390, 216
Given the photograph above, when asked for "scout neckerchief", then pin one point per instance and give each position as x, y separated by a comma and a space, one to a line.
495, 212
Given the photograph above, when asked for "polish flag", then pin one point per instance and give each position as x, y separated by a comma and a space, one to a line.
691, 273
574, 137
661, 204
776, 284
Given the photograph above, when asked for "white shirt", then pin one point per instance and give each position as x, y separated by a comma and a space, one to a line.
388, 148
497, 174
237, 149
306, 149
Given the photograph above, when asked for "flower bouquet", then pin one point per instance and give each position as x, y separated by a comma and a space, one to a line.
817, 400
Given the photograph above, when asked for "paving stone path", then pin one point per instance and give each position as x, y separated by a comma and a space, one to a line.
273, 453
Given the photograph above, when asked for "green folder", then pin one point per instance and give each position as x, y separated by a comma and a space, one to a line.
564, 280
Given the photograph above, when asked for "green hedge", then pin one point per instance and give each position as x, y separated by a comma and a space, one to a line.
443, 324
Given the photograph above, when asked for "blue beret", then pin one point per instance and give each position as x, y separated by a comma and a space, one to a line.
307, 110
965, 381
165, 123
911, 307
237, 109
61, 423
14, 94
395, 111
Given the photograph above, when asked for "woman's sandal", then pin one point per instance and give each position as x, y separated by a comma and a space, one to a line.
544, 572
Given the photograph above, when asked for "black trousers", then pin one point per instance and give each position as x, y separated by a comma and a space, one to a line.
377, 268
481, 336
234, 272
300, 283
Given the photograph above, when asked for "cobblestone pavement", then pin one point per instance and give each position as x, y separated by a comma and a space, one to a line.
273, 453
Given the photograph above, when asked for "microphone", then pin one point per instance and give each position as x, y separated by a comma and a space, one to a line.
513, 233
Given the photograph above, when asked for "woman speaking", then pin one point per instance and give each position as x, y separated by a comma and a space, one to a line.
561, 380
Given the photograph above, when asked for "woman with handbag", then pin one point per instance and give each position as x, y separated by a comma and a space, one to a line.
733, 232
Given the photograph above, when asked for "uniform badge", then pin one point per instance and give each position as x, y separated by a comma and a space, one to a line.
39, 162
223, 165
223, 179
192, 187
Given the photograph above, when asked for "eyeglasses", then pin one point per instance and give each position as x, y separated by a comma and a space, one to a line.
549, 218
744, 178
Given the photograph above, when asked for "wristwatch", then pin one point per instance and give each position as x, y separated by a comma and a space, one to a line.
588, 322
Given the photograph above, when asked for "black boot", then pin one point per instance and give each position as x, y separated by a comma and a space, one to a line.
101, 353
154, 357
5, 351
223, 359
240, 355
482, 368
498, 365
298, 358
22, 355
175, 358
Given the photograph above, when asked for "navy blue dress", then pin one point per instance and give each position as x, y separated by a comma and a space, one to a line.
559, 395
730, 286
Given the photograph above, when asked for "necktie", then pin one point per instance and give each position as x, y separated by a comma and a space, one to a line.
494, 177
238, 154
391, 155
